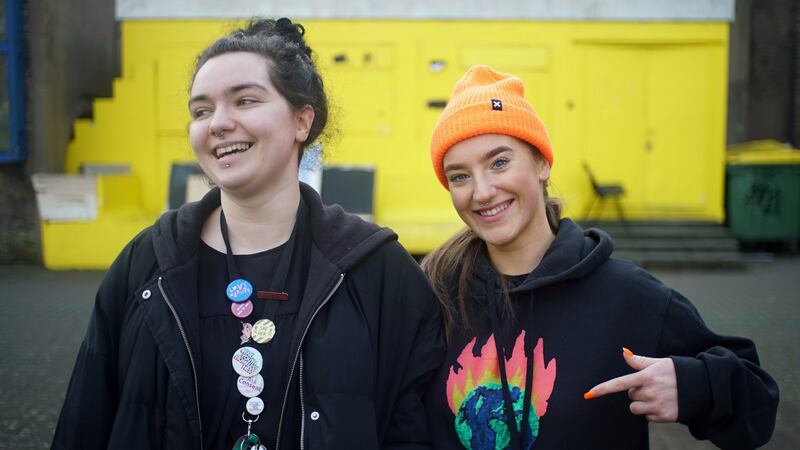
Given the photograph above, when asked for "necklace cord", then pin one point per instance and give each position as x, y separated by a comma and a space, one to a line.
277, 288
501, 360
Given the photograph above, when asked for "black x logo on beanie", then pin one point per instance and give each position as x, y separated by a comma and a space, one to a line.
497, 105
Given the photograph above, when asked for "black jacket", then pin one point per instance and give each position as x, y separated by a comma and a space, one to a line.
571, 317
368, 337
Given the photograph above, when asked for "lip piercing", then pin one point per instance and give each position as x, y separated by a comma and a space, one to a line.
227, 165
218, 134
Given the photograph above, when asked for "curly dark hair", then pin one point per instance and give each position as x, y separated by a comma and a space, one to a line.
290, 64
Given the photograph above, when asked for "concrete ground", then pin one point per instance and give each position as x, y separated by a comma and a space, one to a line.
43, 316
763, 304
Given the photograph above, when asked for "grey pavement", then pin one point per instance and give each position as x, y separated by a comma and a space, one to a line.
763, 304
43, 316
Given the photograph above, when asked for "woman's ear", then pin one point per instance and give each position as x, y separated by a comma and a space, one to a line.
305, 119
544, 169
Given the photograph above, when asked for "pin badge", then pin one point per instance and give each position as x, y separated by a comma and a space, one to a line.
247, 330
239, 290
247, 361
255, 406
243, 309
250, 386
263, 331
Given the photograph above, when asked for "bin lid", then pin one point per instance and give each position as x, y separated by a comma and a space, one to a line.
766, 151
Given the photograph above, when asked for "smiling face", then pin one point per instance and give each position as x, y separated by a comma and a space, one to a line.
497, 186
244, 133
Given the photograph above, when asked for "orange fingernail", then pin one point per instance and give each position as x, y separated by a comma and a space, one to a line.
627, 352
589, 395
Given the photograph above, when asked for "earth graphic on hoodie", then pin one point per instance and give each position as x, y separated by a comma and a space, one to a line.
481, 419
475, 393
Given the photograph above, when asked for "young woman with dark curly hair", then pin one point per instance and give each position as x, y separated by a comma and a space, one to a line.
257, 317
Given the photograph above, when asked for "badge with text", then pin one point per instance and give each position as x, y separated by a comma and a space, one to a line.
250, 386
247, 361
263, 331
239, 290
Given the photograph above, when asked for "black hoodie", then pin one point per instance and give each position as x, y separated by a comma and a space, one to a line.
368, 337
570, 318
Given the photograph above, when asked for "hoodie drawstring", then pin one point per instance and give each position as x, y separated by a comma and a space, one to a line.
508, 406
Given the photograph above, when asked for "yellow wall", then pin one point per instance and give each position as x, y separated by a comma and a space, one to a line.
643, 103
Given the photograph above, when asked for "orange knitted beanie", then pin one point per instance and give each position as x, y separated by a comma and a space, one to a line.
487, 102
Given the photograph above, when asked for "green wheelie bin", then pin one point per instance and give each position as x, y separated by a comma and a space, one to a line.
763, 192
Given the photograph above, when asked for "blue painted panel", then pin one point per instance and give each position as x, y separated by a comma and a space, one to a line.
13, 146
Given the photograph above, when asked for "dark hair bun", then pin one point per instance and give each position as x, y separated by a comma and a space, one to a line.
285, 26
292, 32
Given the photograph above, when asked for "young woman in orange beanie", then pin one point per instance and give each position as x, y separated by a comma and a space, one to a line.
539, 317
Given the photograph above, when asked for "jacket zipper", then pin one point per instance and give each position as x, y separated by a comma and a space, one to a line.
191, 358
291, 373
302, 407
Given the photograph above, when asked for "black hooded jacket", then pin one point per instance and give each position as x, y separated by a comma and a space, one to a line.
367, 339
570, 318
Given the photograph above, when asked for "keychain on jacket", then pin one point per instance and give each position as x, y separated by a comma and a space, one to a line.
247, 360
249, 441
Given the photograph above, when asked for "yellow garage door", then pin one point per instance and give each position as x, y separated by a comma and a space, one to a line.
648, 123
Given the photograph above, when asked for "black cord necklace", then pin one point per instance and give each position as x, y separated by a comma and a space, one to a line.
517, 434
247, 360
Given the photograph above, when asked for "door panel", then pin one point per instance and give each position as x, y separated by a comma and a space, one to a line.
680, 104
614, 90
647, 124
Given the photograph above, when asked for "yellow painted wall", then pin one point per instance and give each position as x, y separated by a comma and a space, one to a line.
643, 103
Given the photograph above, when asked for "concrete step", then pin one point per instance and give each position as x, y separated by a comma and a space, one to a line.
675, 244
651, 229
678, 243
684, 259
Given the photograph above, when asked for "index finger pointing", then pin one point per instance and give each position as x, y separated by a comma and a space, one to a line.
613, 385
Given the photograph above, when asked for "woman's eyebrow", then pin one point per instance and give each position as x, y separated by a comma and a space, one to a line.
243, 86
229, 91
496, 151
489, 155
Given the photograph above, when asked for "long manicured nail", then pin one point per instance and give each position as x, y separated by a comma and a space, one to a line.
627, 352
589, 395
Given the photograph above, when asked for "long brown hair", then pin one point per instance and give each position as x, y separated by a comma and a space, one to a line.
459, 254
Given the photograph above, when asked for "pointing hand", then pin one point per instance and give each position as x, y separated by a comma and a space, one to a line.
653, 388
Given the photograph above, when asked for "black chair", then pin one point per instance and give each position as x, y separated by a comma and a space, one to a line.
604, 192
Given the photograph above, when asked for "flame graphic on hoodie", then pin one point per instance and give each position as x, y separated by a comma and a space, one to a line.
480, 375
